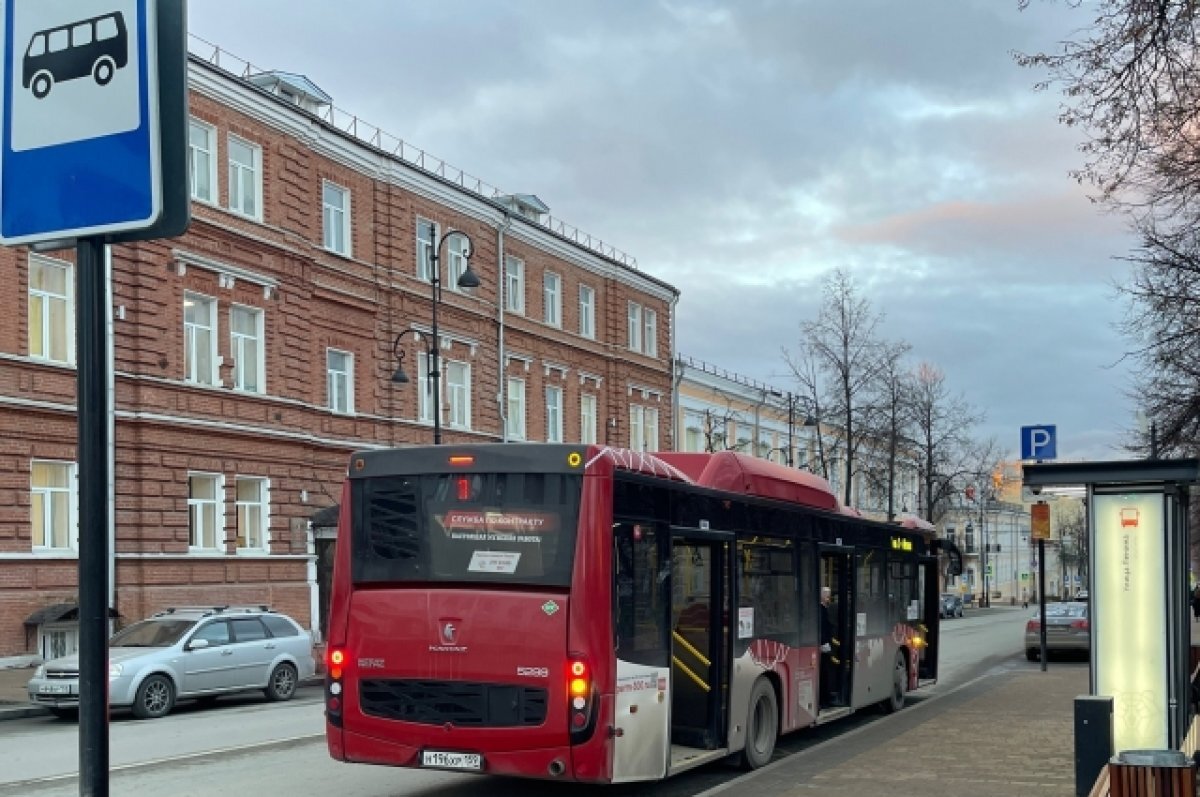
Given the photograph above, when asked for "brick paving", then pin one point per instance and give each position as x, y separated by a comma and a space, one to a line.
1009, 734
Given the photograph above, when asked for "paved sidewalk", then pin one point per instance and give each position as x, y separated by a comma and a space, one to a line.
14, 700
1008, 734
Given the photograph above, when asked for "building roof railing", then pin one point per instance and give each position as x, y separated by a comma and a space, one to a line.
709, 368
378, 138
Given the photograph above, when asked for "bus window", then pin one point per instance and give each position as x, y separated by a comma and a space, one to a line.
59, 40
767, 582
81, 35
511, 528
641, 595
37, 45
106, 28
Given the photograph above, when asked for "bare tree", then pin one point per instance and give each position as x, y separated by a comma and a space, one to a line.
841, 357
887, 423
1129, 82
941, 424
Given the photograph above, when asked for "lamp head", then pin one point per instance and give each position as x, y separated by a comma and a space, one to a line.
469, 279
399, 377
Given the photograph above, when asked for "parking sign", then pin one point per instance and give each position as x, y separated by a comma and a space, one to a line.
80, 154
1038, 442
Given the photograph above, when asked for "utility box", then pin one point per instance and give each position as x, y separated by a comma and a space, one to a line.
1093, 740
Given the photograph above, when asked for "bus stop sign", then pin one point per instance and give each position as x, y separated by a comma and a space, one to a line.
81, 153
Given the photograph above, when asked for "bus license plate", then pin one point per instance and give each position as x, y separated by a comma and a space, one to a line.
444, 760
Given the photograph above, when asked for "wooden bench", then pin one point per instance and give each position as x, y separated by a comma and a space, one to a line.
1126, 780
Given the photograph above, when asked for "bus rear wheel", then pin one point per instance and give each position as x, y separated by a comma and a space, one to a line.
762, 726
895, 700
103, 70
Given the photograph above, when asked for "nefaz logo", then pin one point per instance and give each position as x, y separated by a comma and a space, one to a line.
448, 638
533, 672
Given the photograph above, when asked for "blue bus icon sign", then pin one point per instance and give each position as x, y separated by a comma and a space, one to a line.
95, 47
81, 151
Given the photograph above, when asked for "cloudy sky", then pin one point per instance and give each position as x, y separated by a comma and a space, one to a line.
742, 150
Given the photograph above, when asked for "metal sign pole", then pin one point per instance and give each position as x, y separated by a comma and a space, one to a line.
92, 410
1042, 597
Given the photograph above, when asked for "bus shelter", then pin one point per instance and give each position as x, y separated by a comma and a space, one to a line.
1137, 527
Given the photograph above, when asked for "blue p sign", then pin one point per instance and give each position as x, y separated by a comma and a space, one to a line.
1037, 442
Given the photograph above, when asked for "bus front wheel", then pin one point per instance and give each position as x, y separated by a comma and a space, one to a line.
762, 726
41, 84
103, 70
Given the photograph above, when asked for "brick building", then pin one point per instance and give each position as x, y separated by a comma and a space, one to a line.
254, 353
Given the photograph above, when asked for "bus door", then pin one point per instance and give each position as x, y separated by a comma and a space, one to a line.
837, 665
931, 599
699, 640
642, 631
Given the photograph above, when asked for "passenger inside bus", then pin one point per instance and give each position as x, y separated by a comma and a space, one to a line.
829, 643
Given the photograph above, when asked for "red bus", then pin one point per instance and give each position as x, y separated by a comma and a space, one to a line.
591, 614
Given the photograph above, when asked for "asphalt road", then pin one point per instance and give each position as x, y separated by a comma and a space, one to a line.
248, 746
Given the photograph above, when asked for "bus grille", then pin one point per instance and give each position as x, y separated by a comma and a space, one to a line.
455, 702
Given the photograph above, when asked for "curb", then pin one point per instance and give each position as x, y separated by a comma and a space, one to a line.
14, 712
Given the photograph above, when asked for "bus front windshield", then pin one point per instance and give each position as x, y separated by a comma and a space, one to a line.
503, 528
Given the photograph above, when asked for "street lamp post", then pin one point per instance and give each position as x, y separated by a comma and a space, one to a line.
468, 279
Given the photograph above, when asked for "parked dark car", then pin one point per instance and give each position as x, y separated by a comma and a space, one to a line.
1068, 629
952, 605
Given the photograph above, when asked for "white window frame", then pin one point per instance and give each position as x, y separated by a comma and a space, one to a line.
45, 494
515, 407
650, 428
195, 505
587, 312
237, 170
335, 378
246, 511
650, 332
335, 221
195, 153
587, 418
238, 341
425, 391
45, 299
693, 432
456, 261
458, 393
514, 285
552, 298
425, 248
554, 414
643, 428
635, 326
190, 331
637, 441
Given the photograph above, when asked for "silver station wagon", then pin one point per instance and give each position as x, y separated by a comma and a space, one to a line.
188, 652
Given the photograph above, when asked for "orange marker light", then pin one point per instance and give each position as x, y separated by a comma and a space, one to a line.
462, 460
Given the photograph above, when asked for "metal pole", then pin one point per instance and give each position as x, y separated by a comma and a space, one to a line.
1042, 598
791, 425
92, 411
435, 375
987, 595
